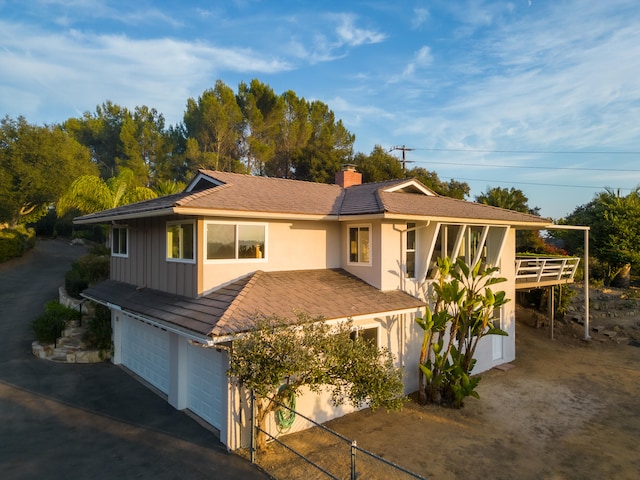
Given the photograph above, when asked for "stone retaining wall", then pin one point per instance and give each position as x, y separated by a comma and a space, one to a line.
70, 348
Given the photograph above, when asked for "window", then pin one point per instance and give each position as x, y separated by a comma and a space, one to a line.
471, 243
473, 248
445, 246
228, 241
410, 251
119, 241
369, 335
180, 241
359, 245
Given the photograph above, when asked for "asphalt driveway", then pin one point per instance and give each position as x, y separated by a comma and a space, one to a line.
60, 421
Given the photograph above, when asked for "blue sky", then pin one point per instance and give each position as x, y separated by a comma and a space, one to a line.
543, 96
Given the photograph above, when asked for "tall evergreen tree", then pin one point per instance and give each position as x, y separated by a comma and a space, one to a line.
330, 145
263, 113
215, 122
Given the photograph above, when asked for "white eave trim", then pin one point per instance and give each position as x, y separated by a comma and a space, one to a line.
208, 212
412, 183
334, 321
460, 220
126, 216
201, 176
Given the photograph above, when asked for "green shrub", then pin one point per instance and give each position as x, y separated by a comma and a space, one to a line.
49, 326
15, 241
86, 271
98, 334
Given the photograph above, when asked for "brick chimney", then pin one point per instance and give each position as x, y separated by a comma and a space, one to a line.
348, 176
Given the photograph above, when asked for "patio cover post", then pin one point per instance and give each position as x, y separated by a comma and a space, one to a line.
586, 270
586, 284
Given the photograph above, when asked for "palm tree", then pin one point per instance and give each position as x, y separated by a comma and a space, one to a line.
90, 194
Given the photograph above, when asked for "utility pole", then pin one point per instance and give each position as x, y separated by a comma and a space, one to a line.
404, 160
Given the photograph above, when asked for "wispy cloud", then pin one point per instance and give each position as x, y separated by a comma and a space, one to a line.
351, 35
421, 60
420, 16
86, 67
329, 37
564, 78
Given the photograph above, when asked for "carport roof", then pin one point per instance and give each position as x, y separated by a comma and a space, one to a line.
234, 308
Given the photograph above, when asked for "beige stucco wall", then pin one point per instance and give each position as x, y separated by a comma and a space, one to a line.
399, 333
369, 273
290, 245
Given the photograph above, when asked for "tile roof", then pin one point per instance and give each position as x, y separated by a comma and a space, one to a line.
246, 193
232, 309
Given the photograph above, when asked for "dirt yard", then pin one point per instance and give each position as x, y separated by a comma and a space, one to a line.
567, 409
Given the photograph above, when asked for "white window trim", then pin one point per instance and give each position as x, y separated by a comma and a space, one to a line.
119, 227
368, 326
235, 260
166, 246
361, 264
406, 250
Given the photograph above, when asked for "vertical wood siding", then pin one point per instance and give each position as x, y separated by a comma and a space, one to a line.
147, 265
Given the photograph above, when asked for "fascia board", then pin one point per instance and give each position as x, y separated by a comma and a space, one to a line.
126, 216
334, 321
362, 217
208, 212
467, 221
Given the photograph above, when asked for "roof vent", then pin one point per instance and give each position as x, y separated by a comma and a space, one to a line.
348, 176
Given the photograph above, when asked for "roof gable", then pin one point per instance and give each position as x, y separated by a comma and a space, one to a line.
201, 182
411, 185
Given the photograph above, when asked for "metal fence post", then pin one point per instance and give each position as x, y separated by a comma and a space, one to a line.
252, 448
353, 460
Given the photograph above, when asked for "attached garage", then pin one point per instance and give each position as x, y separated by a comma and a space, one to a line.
145, 351
206, 384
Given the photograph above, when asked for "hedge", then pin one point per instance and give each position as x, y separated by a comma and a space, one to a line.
15, 241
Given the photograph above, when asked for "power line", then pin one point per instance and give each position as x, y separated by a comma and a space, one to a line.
537, 152
534, 183
531, 167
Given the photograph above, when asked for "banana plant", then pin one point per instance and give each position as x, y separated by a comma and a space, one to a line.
462, 312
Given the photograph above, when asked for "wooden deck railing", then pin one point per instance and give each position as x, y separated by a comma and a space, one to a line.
534, 272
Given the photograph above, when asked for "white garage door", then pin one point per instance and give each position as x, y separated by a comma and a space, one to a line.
145, 351
206, 391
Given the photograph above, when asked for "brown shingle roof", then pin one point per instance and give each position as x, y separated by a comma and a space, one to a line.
331, 294
246, 193
267, 194
438, 206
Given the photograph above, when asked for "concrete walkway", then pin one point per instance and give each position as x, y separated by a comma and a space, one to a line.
77, 421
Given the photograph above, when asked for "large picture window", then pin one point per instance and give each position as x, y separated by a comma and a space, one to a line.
181, 241
360, 244
229, 241
119, 241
